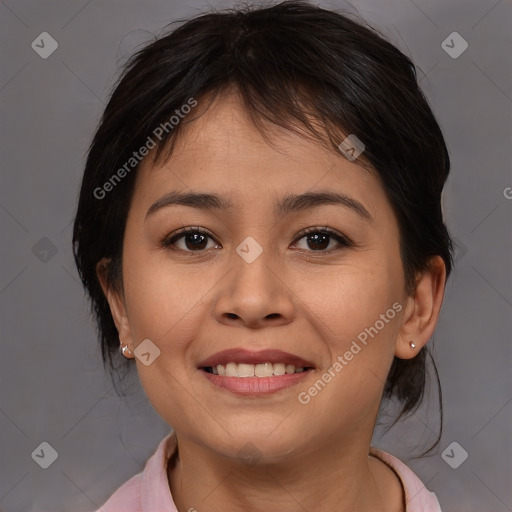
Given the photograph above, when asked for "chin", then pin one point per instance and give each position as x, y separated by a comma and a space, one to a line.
264, 444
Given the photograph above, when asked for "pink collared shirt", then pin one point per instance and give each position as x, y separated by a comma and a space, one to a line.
148, 491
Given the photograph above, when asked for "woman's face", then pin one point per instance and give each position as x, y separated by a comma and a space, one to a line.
257, 283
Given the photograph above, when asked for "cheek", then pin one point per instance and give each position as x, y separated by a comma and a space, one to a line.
348, 390
353, 297
357, 316
165, 305
163, 299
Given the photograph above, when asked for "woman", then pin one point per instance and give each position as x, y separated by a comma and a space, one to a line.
260, 232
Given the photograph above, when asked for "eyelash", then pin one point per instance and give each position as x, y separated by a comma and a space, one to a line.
344, 241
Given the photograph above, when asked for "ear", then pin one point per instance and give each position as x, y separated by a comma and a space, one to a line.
421, 312
117, 304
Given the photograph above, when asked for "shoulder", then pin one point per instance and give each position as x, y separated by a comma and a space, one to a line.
126, 498
417, 497
148, 490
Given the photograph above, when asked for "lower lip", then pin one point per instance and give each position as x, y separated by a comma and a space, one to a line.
256, 386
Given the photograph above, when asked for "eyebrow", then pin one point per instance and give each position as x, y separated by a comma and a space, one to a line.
288, 204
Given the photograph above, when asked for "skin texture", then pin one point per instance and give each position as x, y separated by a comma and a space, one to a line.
293, 297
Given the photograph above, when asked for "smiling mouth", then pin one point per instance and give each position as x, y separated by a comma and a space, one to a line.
244, 370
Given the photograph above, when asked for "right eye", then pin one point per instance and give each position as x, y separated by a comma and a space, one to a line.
195, 239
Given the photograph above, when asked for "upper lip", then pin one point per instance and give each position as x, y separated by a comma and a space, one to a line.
241, 355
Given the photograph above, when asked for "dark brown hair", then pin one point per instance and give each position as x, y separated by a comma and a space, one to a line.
291, 62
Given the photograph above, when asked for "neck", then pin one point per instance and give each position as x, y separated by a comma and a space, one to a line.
341, 478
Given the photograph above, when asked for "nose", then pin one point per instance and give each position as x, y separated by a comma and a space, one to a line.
255, 294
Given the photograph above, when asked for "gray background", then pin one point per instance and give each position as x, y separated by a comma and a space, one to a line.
53, 387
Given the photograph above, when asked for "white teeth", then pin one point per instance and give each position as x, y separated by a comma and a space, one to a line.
231, 370
279, 368
263, 370
251, 370
246, 370
289, 368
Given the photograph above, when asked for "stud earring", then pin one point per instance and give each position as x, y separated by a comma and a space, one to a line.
124, 349
412, 345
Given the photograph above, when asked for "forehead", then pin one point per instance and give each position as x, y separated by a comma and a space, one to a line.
221, 151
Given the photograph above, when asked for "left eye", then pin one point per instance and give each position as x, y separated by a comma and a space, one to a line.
320, 239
